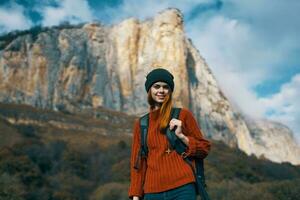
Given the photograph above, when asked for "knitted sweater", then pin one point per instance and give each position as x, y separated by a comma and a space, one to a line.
162, 171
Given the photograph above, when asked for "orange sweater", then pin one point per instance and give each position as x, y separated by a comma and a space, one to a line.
162, 171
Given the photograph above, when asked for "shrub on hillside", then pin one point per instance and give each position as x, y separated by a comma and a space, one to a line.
110, 191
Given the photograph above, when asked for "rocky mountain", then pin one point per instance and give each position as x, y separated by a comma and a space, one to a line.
85, 67
273, 140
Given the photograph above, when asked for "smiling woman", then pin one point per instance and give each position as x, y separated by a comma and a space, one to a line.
162, 171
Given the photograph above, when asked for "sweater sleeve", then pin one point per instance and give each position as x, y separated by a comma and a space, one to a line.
198, 146
136, 175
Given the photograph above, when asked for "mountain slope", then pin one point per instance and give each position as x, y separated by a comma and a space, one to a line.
40, 160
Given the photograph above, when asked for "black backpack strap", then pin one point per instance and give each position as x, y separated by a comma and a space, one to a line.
180, 148
143, 151
200, 179
144, 124
174, 141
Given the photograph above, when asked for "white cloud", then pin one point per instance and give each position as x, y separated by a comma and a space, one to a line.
231, 52
12, 17
73, 11
242, 54
272, 18
284, 106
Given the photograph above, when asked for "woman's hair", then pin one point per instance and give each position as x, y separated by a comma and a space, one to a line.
165, 110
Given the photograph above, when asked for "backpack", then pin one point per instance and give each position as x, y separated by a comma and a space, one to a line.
179, 147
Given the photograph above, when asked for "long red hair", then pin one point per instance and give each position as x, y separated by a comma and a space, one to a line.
165, 110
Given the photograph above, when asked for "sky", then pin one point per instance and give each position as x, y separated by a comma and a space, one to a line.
252, 46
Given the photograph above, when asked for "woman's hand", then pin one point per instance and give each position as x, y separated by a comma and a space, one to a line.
176, 122
135, 198
178, 132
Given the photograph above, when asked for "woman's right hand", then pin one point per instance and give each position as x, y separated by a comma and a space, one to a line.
135, 198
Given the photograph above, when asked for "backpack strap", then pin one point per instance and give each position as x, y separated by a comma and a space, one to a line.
175, 142
144, 124
143, 151
180, 148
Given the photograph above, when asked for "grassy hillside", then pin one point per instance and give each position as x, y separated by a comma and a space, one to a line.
49, 155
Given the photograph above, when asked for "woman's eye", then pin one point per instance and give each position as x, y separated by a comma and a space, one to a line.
165, 87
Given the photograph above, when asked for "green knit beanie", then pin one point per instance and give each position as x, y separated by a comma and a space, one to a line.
159, 74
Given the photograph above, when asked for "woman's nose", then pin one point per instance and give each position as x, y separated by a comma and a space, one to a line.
161, 89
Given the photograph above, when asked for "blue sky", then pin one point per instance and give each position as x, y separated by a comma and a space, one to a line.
252, 47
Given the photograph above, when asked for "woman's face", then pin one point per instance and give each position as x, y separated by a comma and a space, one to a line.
159, 91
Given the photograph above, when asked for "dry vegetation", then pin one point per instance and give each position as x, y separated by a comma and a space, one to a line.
43, 161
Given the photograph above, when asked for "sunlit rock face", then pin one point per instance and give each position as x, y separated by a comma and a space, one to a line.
94, 66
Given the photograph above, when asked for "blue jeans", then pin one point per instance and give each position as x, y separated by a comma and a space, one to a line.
184, 192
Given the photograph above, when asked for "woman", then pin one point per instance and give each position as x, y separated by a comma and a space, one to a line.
164, 174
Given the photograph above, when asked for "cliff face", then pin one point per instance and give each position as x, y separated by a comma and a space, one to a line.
274, 141
96, 66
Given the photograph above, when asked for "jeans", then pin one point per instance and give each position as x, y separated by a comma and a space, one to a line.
184, 192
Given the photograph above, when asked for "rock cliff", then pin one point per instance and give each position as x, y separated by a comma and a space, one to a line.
93, 66
274, 141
